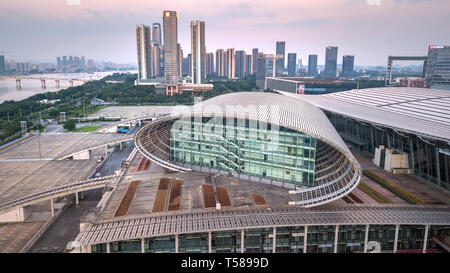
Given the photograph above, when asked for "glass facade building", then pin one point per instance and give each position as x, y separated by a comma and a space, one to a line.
244, 146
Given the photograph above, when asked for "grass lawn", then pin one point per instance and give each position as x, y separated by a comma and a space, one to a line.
87, 129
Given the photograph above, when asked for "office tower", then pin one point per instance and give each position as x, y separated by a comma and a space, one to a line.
230, 64
156, 33
198, 51
171, 63
2, 64
156, 60
312, 65
64, 62
209, 64
438, 67
180, 60
248, 65
292, 58
90, 64
281, 46
266, 67
220, 62
331, 61
254, 59
348, 63
240, 63
185, 66
161, 60
143, 52
189, 65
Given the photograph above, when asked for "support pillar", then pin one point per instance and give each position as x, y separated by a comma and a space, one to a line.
71, 83
274, 240
43, 86
336, 235
425, 239
106, 149
121, 145
142, 245
77, 201
396, 238
366, 238
411, 154
242, 240
57, 83
305, 239
52, 207
176, 243
140, 122
209, 242
438, 167
108, 248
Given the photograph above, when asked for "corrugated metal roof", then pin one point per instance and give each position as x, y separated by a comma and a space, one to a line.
425, 112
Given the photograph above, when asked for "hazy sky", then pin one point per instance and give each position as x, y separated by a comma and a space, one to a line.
40, 30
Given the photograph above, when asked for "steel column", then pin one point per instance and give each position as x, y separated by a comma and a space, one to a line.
366, 238
425, 239
305, 239
336, 234
396, 238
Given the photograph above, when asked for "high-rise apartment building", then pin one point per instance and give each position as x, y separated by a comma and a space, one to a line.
240, 63
198, 51
254, 59
156, 33
2, 64
280, 50
171, 69
209, 64
312, 65
230, 64
292, 58
144, 53
220, 62
248, 65
438, 67
331, 61
348, 63
266, 67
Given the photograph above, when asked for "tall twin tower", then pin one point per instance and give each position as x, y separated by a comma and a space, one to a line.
172, 53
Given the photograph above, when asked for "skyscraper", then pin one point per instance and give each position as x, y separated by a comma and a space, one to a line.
171, 63
331, 61
180, 60
2, 64
189, 72
198, 51
292, 58
348, 63
240, 63
220, 62
156, 33
254, 59
280, 50
248, 65
156, 60
230, 64
144, 53
312, 65
209, 64
438, 67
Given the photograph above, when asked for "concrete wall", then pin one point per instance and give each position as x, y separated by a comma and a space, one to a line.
17, 215
82, 155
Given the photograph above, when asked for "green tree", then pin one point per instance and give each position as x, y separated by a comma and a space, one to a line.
70, 125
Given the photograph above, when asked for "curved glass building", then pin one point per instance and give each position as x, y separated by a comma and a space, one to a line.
260, 137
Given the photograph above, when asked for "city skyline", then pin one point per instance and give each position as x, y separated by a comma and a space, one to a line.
38, 35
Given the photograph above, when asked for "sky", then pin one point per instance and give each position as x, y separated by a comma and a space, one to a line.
40, 30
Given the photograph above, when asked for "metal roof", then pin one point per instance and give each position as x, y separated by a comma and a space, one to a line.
145, 227
276, 110
425, 112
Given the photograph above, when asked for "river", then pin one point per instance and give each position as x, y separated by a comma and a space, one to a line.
8, 90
